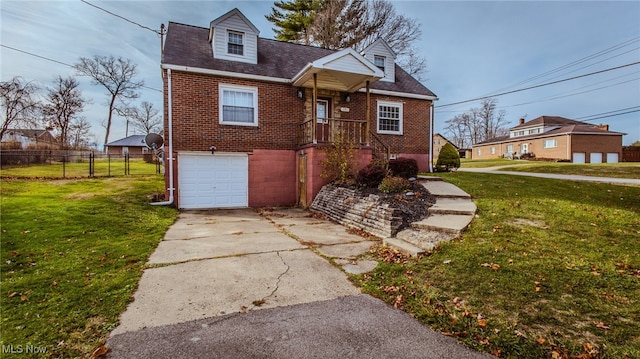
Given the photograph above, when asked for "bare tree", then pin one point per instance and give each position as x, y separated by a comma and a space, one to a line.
493, 121
144, 118
340, 24
64, 103
79, 135
115, 75
19, 105
477, 124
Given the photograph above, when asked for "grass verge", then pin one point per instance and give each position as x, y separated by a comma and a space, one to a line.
548, 269
102, 168
71, 257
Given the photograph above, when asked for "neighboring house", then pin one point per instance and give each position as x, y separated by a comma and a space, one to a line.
30, 138
250, 116
439, 141
557, 138
133, 145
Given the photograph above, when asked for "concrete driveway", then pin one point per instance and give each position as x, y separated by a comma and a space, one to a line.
233, 283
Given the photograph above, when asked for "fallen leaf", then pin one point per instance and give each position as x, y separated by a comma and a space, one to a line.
482, 323
24, 298
495, 266
541, 341
447, 261
100, 352
601, 325
486, 265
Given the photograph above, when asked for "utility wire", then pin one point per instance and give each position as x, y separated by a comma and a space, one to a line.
636, 108
607, 116
58, 62
122, 17
541, 85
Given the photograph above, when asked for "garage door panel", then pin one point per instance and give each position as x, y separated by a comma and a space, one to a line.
579, 157
612, 157
207, 181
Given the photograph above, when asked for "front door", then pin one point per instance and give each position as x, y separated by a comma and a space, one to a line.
525, 148
322, 127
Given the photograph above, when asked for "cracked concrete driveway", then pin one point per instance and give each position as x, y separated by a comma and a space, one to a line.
215, 267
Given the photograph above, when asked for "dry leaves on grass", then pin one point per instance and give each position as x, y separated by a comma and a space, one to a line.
390, 255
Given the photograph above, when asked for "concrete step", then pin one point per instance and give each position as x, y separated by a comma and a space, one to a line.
444, 189
426, 240
403, 246
446, 223
445, 205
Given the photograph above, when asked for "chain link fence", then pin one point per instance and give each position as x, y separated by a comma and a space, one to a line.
48, 163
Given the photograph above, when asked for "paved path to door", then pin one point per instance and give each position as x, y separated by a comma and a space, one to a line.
234, 284
497, 170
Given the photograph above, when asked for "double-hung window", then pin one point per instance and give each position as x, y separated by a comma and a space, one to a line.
235, 44
238, 105
550, 143
390, 117
379, 62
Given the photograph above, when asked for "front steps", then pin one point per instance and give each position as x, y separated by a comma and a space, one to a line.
448, 217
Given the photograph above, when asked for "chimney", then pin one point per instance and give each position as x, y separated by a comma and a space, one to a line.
521, 121
603, 127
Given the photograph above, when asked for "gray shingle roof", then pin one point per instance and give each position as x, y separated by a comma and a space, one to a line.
131, 141
187, 45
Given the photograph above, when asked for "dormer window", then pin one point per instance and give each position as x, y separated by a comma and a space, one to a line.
235, 45
379, 62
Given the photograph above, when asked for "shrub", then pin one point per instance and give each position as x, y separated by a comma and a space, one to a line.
449, 158
372, 175
404, 167
394, 184
339, 166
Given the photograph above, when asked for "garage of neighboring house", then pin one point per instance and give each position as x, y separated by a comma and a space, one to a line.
213, 180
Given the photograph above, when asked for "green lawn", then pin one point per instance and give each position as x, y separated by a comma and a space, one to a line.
548, 269
103, 168
467, 163
71, 257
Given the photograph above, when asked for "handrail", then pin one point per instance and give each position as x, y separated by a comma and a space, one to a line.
378, 144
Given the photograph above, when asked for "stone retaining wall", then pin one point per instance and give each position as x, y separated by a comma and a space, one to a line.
352, 209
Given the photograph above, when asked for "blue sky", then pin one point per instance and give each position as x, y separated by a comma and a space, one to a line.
473, 49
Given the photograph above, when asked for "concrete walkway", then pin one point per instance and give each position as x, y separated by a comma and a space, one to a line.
611, 180
233, 283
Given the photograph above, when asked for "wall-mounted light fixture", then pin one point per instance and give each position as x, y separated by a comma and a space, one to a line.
347, 98
213, 149
301, 93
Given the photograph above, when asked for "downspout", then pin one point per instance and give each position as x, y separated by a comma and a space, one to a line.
431, 138
170, 158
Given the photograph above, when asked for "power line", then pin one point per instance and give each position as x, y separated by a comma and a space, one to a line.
635, 108
614, 115
541, 85
58, 62
122, 17
579, 61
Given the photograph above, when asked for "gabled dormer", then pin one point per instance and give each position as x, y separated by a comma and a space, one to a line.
233, 37
383, 56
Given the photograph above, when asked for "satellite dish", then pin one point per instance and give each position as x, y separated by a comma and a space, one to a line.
153, 140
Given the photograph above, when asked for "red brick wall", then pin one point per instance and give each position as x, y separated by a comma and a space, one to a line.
196, 116
597, 144
272, 178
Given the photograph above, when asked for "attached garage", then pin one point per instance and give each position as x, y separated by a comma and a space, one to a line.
612, 157
212, 181
579, 157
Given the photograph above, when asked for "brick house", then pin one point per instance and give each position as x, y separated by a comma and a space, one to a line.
557, 138
133, 145
247, 119
30, 139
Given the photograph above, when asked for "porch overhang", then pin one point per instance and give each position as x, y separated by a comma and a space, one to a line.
344, 70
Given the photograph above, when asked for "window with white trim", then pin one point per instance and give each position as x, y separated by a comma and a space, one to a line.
238, 105
235, 43
509, 148
390, 117
479, 152
551, 143
379, 61
493, 150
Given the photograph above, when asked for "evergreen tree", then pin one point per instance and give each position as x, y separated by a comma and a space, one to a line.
292, 19
448, 159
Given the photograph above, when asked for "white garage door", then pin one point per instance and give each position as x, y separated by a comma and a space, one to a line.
612, 157
212, 181
595, 158
579, 157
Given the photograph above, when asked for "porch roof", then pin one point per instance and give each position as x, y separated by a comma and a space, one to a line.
345, 70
